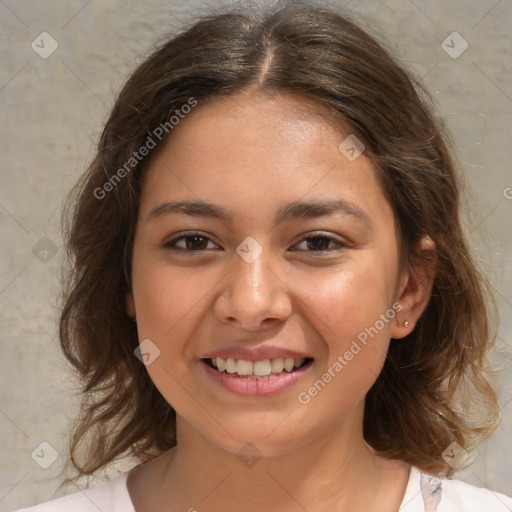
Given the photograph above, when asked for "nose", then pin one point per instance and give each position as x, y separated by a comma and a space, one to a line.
253, 295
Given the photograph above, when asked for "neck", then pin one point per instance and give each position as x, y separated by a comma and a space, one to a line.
330, 472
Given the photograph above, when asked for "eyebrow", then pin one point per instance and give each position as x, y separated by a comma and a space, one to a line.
293, 210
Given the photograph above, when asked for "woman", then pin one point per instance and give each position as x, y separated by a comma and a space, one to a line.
271, 302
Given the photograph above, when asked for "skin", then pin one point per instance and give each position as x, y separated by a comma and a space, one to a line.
251, 154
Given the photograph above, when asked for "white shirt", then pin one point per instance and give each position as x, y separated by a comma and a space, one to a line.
424, 493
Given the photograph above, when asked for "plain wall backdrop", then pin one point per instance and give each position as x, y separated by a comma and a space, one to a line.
52, 110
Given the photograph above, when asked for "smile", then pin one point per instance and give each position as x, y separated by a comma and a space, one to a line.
255, 378
263, 368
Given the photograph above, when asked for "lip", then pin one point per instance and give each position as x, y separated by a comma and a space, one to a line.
255, 387
254, 353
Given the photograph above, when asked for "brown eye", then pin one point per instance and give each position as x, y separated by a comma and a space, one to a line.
320, 243
193, 242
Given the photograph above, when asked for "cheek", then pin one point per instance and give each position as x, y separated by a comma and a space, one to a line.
346, 310
347, 302
169, 302
165, 294
168, 299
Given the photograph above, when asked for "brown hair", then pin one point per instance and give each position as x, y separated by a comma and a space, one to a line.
415, 408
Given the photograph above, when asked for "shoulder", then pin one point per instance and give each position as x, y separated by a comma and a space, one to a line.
425, 492
112, 496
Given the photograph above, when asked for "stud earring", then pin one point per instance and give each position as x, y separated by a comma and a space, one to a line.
406, 324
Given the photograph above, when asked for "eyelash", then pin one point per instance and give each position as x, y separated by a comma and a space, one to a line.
171, 244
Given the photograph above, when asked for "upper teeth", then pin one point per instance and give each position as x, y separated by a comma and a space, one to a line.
262, 368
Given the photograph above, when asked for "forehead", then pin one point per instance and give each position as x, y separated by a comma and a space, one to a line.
248, 147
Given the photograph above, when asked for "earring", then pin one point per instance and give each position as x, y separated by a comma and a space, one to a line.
406, 324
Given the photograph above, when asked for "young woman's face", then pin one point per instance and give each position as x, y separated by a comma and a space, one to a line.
283, 252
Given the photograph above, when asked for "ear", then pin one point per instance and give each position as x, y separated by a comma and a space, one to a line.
130, 305
415, 287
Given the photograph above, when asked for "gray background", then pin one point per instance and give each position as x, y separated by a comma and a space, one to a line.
52, 111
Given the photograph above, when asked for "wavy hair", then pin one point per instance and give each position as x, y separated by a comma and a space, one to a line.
416, 407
